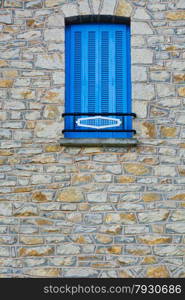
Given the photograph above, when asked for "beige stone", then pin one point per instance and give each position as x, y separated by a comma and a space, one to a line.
36, 251
103, 239
136, 169
149, 260
152, 240
6, 83
10, 73
113, 229
123, 9
48, 129
125, 179
150, 197
31, 240
179, 78
3, 63
70, 195
149, 129
115, 250
81, 179
170, 132
174, 16
157, 272
178, 197
43, 272
181, 91
122, 218
53, 148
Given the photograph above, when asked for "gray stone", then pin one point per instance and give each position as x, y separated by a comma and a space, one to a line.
5, 17
54, 35
68, 249
51, 61
97, 197
142, 56
140, 28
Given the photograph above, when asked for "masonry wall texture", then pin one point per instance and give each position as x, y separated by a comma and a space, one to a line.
91, 212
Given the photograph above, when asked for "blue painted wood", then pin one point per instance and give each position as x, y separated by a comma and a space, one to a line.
98, 76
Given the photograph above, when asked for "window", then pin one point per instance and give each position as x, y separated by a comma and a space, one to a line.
98, 81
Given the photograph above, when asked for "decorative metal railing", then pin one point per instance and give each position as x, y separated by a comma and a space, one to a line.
98, 122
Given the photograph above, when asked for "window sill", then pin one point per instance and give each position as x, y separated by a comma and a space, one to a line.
98, 142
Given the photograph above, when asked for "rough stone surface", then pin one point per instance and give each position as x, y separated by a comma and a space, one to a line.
102, 210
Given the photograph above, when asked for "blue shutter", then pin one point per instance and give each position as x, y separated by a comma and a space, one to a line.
97, 78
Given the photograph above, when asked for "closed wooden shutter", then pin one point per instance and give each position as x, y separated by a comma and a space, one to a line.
98, 79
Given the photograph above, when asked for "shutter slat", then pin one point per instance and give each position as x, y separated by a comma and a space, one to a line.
104, 71
77, 71
92, 71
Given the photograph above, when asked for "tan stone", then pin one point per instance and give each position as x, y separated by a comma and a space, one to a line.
150, 161
125, 274
42, 222
139, 251
70, 195
51, 112
128, 217
181, 91
40, 251
178, 15
181, 171
43, 272
10, 74
5, 153
136, 169
23, 190
171, 48
149, 260
102, 265
30, 124
34, 23
81, 179
6, 83
179, 197
150, 197
168, 131
103, 239
115, 250
116, 229
31, 240
125, 179
157, 272
2, 161
179, 78
149, 129
27, 94
43, 159
149, 240
3, 63
81, 240
53, 148
39, 197
123, 9
83, 206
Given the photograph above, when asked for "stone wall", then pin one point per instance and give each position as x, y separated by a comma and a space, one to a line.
91, 212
